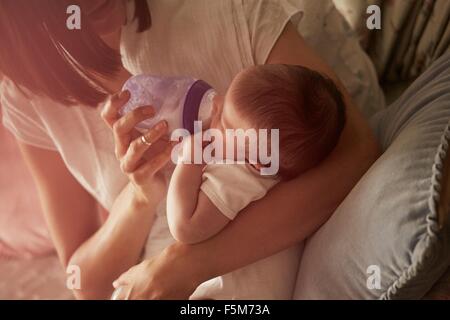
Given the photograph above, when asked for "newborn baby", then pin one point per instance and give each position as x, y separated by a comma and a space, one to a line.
309, 112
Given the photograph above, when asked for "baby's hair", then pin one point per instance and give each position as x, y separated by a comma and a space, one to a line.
304, 105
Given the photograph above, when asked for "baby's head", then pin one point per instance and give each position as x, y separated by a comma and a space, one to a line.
305, 106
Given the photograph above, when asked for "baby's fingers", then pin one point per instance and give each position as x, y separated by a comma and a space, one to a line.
121, 293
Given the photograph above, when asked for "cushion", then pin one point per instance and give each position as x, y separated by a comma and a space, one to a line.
385, 240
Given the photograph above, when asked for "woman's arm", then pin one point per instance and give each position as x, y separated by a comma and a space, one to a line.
303, 204
290, 213
101, 252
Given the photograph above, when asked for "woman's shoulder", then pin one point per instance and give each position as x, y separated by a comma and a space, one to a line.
11, 94
16, 99
266, 20
20, 117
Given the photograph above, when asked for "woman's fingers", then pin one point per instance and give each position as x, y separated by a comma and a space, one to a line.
122, 280
122, 293
122, 286
110, 111
139, 146
152, 166
124, 127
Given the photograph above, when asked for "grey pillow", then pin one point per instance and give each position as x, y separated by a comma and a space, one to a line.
384, 241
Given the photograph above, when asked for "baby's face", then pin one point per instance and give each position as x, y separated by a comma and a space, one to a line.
225, 116
226, 113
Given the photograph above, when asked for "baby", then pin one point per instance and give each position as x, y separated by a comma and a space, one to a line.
309, 112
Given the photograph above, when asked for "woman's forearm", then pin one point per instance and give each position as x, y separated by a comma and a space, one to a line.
100, 252
290, 213
114, 248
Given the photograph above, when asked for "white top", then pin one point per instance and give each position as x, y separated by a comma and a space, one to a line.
232, 187
210, 40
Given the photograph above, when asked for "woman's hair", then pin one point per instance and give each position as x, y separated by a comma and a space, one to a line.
305, 106
39, 53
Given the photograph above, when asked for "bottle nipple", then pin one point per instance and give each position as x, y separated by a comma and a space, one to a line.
205, 109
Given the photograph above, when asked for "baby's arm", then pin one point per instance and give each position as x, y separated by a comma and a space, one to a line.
191, 215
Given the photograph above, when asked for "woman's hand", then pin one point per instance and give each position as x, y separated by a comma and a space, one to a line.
141, 156
168, 276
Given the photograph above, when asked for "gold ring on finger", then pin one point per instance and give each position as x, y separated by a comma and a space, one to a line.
145, 141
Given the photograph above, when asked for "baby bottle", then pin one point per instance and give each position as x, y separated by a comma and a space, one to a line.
178, 100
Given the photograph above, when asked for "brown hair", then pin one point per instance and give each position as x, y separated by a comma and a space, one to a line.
40, 54
305, 106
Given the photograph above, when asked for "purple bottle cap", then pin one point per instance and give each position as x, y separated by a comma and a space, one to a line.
192, 103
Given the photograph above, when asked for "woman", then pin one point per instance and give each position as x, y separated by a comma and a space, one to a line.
54, 77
